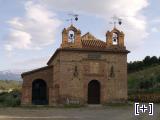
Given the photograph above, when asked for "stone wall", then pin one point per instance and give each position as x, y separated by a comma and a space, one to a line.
70, 72
45, 74
73, 84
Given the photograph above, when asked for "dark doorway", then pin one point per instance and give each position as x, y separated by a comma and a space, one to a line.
39, 92
94, 92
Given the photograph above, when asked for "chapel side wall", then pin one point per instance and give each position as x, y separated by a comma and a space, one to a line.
56, 77
116, 87
71, 81
76, 87
122, 84
112, 88
45, 74
100, 75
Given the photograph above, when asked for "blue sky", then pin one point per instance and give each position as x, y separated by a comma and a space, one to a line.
30, 30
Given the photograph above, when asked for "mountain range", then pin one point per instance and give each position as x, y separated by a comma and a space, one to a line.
11, 74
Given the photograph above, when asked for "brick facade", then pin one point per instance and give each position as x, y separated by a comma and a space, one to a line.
75, 64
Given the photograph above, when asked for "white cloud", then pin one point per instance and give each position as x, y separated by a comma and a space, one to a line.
18, 39
36, 29
31, 63
154, 29
39, 24
155, 20
130, 10
155, 25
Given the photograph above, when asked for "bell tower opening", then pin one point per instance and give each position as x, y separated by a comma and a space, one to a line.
115, 38
71, 36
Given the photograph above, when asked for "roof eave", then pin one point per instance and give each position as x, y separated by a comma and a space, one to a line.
88, 49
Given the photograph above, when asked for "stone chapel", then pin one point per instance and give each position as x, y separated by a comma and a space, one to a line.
83, 70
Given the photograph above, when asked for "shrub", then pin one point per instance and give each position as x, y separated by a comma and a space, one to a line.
10, 99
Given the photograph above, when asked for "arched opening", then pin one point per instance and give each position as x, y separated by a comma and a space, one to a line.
115, 38
71, 36
94, 92
39, 92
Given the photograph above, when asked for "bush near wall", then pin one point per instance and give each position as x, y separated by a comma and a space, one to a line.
11, 99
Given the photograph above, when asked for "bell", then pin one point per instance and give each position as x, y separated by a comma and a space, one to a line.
76, 18
71, 35
114, 39
119, 22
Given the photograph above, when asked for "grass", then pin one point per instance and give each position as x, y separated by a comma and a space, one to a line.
145, 81
144, 85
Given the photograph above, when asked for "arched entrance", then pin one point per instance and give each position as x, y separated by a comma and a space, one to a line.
94, 92
39, 92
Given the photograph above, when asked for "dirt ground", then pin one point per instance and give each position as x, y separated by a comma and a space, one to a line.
85, 113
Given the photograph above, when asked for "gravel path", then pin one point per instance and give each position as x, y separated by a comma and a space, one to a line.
86, 113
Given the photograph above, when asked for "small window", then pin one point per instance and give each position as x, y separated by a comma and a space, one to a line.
112, 74
75, 71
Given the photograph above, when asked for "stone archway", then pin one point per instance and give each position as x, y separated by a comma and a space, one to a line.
94, 92
39, 92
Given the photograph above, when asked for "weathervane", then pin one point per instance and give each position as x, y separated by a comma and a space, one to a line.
72, 17
116, 20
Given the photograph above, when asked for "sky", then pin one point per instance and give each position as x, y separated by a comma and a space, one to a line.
30, 30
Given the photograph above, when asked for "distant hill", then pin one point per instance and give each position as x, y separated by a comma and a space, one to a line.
9, 75
145, 80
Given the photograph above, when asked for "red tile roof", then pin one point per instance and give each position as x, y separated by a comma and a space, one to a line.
90, 41
93, 44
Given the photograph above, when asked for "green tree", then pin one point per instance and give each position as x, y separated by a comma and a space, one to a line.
147, 60
154, 60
